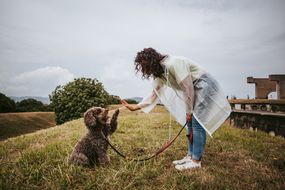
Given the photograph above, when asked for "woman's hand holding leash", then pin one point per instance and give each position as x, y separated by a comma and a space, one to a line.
188, 120
188, 117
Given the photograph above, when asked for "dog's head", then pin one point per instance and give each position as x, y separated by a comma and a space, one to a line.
95, 117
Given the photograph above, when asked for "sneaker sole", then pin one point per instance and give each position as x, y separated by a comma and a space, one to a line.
182, 169
181, 162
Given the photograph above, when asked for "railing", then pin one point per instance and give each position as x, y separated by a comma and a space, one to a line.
266, 115
258, 105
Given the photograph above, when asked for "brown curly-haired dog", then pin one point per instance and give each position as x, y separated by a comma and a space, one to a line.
92, 148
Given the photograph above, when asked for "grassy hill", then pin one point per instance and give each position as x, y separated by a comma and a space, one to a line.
234, 159
14, 124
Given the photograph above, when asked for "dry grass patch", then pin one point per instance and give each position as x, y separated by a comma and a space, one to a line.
15, 124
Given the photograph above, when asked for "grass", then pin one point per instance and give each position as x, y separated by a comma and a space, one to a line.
14, 124
258, 101
234, 158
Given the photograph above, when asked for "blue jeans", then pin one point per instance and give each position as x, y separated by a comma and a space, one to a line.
199, 139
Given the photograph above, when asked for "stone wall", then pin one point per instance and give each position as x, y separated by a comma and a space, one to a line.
268, 122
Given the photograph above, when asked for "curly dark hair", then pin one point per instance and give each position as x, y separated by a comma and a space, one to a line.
147, 62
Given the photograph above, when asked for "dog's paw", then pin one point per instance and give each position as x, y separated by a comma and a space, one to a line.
116, 112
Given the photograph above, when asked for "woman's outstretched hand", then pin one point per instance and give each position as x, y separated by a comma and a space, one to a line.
130, 107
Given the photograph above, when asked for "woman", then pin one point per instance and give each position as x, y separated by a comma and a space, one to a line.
185, 89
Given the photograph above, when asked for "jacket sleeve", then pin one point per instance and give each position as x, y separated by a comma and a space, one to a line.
181, 70
188, 93
149, 102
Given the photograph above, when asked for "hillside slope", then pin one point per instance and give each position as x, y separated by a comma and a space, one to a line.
234, 159
14, 124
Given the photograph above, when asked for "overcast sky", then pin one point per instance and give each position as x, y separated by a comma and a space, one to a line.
44, 43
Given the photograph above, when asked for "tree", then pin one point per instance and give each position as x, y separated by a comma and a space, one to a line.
115, 99
6, 104
30, 105
73, 99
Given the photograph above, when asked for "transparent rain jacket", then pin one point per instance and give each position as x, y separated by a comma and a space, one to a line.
180, 95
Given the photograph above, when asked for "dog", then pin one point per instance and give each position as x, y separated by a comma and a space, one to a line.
92, 148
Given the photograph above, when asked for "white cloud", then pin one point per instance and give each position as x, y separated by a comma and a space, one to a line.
98, 39
39, 82
119, 78
118, 70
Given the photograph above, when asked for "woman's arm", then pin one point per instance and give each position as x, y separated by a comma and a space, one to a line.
130, 107
187, 83
182, 73
144, 104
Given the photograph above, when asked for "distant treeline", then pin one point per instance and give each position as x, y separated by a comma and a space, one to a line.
8, 105
28, 105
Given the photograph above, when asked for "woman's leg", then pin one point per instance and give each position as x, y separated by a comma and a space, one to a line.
187, 158
199, 140
190, 145
196, 148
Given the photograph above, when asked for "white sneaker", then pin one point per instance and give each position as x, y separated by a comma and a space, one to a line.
183, 160
188, 166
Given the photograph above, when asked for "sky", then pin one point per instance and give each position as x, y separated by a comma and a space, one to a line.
45, 43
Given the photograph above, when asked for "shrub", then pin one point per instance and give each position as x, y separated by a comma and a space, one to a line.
115, 99
73, 99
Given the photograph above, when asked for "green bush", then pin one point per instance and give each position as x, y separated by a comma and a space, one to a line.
73, 99
115, 99
6, 104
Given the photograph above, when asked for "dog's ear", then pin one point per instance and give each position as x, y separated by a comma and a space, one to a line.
89, 118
